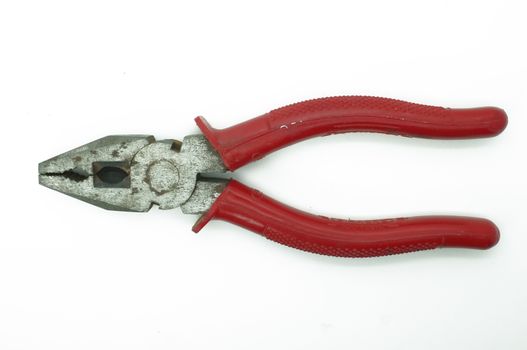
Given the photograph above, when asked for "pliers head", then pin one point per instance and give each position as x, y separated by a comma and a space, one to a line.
132, 172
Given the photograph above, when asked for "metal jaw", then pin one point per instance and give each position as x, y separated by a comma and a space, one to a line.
134, 172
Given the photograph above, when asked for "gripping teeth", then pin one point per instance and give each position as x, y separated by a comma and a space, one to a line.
76, 175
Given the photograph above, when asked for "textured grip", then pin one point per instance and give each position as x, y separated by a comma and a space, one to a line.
255, 138
254, 211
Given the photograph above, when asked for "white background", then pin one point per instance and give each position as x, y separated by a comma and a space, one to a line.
73, 276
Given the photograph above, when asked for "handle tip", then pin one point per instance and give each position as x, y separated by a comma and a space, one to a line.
499, 120
493, 235
474, 233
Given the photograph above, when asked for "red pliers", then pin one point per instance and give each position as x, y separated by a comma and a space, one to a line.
134, 172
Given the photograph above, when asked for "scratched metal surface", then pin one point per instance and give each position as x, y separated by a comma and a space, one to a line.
162, 172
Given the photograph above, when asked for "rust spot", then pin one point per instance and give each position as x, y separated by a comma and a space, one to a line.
135, 190
176, 146
77, 159
115, 154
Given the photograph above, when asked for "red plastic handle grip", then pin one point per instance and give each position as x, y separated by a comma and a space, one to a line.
254, 211
255, 138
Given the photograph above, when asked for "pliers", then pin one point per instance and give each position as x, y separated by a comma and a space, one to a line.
134, 172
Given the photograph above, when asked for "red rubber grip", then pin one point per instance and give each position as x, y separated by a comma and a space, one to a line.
254, 211
255, 138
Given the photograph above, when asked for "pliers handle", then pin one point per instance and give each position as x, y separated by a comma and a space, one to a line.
255, 138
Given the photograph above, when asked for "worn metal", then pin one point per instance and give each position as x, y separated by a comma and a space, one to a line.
134, 172
204, 195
